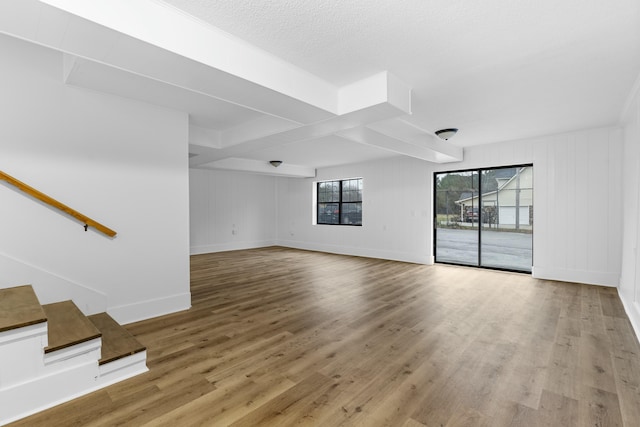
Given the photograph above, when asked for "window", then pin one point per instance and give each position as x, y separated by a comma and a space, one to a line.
340, 202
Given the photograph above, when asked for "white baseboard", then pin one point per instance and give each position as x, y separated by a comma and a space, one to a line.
142, 310
230, 246
633, 312
601, 278
416, 258
334, 249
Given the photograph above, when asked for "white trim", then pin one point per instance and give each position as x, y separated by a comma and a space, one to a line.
38, 330
600, 278
633, 313
122, 369
143, 310
231, 246
47, 391
333, 249
85, 348
416, 258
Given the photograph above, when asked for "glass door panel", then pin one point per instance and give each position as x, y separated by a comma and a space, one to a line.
457, 217
506, 238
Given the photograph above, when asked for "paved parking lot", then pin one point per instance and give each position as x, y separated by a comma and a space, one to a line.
500, 249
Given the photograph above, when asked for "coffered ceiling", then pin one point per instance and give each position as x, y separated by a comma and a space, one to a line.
322, 83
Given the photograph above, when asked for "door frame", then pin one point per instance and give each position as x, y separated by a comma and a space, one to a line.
479, 171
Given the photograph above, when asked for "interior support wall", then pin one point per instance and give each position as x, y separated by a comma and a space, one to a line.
121, 162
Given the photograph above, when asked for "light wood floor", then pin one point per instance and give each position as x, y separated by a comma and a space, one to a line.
281, 337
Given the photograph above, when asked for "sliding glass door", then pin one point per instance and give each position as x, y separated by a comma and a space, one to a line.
484, 217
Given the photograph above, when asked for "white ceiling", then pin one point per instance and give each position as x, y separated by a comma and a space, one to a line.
498, 70
260, 80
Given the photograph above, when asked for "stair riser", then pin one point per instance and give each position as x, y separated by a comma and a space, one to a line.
78, 353
121, 369
47, 391
21, 352
22, 356
67, 384
25, 333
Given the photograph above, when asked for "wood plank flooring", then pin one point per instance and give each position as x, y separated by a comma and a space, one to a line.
280, 337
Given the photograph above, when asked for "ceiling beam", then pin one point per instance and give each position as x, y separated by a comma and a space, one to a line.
261, 167
201, 42
197, 68
393, 100
424, 151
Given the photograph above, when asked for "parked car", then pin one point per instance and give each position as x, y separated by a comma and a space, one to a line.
471, 215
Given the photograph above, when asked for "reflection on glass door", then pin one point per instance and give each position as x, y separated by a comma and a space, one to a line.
457, 225
484, 217
507, 207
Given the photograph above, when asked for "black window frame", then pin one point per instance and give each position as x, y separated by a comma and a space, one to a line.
340, 202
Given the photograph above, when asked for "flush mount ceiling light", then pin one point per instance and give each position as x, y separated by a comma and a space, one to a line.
275, 163
446, 133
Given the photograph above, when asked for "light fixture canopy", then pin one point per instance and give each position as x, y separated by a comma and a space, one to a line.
445, 134
275, 163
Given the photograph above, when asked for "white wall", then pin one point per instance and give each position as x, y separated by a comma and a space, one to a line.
577, 200
630, 282
396, 222
121, 162
231, 210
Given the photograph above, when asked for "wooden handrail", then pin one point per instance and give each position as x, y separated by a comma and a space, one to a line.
88, 222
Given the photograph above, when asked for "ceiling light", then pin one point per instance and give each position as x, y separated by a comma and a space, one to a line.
446, 133
275, 163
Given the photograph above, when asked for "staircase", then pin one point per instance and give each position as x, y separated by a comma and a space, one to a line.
53, 353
